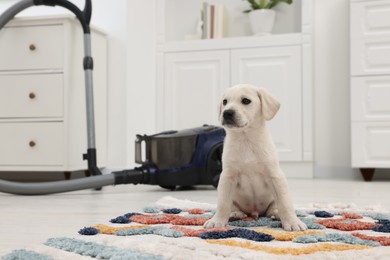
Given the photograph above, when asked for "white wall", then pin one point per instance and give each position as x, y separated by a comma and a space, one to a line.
331, 80
141, 73
112, 18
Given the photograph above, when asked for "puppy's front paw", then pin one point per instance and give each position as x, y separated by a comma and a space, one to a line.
294, 224
215, 223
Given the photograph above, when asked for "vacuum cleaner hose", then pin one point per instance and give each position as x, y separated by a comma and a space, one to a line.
136, 176
14, 10
42, 188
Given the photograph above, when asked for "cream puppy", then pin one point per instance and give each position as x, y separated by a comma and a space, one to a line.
251, 183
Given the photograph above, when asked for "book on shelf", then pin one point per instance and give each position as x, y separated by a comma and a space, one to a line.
213, 20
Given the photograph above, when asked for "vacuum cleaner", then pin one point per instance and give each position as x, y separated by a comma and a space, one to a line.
168, 159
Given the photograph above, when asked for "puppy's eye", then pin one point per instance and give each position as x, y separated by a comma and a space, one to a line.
246, 101
224, 102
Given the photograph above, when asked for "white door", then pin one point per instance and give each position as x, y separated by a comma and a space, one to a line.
193, 85
279, 70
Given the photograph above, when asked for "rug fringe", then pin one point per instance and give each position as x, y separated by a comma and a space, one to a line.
335, 208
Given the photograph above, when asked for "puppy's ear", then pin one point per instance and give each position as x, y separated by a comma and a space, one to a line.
269, 104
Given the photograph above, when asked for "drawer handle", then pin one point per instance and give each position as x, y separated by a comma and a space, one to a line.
32, 47
32, 143
32, 95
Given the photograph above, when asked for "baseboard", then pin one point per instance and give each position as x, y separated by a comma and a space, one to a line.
335, 172
299, 170
346, 172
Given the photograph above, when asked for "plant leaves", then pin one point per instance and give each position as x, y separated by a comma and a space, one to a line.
265, 4
271, 4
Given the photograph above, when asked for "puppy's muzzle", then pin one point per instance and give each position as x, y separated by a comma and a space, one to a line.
228, 117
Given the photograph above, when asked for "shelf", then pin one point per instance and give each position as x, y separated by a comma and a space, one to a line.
178, 18
234, 42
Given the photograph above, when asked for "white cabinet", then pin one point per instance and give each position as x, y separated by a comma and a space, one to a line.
194, 82
42, 95
370, 85
192, 75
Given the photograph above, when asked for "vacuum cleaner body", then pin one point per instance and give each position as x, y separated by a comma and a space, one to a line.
182, 158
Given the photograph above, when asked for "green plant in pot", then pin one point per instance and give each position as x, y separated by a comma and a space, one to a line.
261, 15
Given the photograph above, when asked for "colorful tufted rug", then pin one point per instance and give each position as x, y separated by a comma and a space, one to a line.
172, 229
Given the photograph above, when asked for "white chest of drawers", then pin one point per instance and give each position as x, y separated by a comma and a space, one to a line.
42, 95
370, 85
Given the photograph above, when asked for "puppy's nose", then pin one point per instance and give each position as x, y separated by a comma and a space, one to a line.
228, 114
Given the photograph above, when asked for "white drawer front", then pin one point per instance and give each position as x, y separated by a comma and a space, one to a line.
370, 98
370, 56
34, 95
35, 144
370, 19
32, 47
370, 145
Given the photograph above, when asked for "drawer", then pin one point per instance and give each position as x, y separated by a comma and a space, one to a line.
370, 56
370, 98
370, 37
34, 144
370, 19
370, 145
31, 96
32, 47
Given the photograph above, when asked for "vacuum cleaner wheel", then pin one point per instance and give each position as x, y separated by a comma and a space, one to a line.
171, 188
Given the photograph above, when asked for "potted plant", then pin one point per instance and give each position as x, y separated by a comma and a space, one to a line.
261, 15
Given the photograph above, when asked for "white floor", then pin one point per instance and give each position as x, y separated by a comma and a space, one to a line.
25, 220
